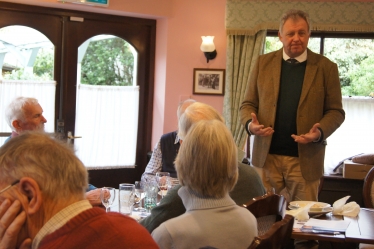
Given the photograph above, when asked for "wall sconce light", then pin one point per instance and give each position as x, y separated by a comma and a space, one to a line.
207, 46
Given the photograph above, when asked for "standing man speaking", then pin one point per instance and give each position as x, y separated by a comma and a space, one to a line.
292, 104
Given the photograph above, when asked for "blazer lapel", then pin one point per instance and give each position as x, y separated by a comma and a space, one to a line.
277, 67
310, 72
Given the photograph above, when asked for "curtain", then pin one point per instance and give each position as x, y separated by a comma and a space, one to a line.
43, 91
355, 135
104, 113
242, 52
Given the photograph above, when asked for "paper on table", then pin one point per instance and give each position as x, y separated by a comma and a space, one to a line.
327, 225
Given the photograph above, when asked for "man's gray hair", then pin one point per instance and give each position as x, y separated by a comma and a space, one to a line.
50, 162
295, 14
194, 113
183, 106
15, 110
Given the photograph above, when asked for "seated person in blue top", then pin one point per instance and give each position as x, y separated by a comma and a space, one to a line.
207, 166
26, 114
166, 150
248, 186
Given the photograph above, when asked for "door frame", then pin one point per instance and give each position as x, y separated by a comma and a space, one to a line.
56, 25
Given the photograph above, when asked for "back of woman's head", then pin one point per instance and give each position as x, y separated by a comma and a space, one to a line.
207, 159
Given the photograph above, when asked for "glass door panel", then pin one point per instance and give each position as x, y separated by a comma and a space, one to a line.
27, 60
107, 102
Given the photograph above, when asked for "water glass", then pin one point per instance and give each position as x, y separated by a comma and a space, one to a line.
151, 191
139, 195
126, 198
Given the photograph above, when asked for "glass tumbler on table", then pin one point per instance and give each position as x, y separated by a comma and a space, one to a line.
150, 199
126, 198
163, 181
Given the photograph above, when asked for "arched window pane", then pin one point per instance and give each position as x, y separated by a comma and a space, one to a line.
107, 102
27, 62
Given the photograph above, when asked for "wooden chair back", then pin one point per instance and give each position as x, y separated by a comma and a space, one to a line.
268, 204
277, 236
368, 189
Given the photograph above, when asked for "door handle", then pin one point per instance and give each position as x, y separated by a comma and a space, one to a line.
70, 137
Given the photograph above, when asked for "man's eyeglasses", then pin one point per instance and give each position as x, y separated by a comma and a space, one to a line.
9, 186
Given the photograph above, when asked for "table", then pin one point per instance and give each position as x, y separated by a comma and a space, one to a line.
360, 229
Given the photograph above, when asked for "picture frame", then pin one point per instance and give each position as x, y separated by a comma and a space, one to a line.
208, 81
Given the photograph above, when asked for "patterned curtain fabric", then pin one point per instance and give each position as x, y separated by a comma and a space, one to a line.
242, 53
247, 17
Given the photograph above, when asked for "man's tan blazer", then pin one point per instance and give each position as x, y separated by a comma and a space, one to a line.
320, 102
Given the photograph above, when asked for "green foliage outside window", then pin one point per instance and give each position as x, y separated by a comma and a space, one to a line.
354, 58
108, 62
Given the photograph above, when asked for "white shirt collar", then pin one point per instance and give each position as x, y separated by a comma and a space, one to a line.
300, 58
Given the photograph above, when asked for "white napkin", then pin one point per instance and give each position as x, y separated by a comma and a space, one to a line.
303, 212
350, 209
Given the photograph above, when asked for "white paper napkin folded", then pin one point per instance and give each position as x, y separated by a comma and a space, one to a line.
303, 212
351, 209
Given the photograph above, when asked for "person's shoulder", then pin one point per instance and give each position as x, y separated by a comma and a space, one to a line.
270, 57
271, 54
246, 169
172, 134
318, 58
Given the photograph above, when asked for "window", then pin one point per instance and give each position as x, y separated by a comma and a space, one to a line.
76, 75
27, 70
353, 53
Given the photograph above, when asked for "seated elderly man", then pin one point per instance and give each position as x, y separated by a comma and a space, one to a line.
25, 114
42, 201
249, 183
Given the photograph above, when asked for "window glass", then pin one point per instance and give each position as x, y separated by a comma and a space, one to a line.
355, 62
27, 62
107, 102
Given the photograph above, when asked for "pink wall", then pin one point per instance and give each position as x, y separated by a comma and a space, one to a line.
180, 25
181, 42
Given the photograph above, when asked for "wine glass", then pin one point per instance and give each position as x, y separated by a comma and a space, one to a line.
107, 196
163, 182
139, 195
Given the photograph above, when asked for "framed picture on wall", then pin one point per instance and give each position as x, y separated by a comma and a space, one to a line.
208, 81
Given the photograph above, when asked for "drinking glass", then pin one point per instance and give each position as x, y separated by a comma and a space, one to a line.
107, 196
163, 182
126, 198
150, 200
139, 195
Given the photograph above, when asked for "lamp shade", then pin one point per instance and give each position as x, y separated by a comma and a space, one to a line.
207, 45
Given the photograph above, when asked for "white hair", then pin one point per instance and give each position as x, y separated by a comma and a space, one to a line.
15, 110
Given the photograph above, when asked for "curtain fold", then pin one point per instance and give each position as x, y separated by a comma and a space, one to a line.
242, 52
355, 135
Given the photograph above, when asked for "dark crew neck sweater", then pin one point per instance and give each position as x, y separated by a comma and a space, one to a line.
292, 77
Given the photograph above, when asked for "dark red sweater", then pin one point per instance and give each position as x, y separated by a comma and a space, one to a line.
94, 228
